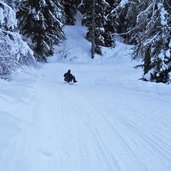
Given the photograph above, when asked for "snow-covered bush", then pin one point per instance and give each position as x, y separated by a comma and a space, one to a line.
14, 52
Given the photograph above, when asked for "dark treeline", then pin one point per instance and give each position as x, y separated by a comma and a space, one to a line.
146, 24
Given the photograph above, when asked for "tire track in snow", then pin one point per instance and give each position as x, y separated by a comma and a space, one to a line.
104, 151
155, 148
94, 129
83, 128
132, 126
96, 136
124, 142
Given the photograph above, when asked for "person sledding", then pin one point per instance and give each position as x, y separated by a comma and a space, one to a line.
68, 77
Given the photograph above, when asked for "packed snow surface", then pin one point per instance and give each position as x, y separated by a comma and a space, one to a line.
108, 121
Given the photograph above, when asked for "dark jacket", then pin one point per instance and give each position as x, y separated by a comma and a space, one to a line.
68, 77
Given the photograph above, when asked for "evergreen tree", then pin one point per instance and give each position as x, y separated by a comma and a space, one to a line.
70, 9
127, 20
112, 22
14, 52
95, 26
154, 42
107, 21
41, 22
147, 26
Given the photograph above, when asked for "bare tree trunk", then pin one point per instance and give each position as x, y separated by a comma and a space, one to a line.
93, 32
147, 60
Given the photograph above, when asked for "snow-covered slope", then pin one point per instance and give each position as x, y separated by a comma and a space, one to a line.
108, 121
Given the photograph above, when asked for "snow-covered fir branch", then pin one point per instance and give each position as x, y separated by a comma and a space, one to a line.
14, 52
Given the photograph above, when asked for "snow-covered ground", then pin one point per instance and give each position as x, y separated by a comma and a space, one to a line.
108, 121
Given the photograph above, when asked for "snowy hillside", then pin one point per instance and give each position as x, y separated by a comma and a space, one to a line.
108, 121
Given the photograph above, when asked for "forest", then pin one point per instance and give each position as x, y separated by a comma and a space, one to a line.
30, 29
